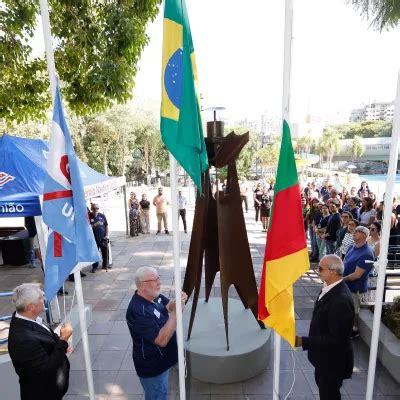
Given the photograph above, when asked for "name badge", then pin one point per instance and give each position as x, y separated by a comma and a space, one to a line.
157, 313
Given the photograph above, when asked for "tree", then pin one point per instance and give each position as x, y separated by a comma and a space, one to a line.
98, 46
329, 145
384, 13
305, 143
356, 148
366, 129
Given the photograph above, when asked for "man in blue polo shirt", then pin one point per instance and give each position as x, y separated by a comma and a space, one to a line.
357, 269
151, 319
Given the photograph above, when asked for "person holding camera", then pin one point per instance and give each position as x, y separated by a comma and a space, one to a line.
99, 224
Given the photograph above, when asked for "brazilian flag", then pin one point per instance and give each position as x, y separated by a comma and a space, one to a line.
181, 128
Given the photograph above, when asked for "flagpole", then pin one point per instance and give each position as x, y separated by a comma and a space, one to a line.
48, 44
382, 262
177, 273
287, 64
44, 10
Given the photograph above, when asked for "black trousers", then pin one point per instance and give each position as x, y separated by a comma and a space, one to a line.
182, 214
258, 209
104, 253
244, 199
329, 386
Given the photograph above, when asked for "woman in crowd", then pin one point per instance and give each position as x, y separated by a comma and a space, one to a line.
134, 221
266, 202
374, 200
257, 196
367, 212
321, 229
345, 197
314, 216
306, 211
144, 211
373, 239
345, 218
364, 190
348, 240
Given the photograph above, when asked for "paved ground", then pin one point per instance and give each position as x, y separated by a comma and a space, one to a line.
110, 292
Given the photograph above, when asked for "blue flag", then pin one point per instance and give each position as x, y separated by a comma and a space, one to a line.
71, 238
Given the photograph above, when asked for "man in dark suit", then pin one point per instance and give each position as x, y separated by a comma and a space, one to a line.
328, 344
38, 354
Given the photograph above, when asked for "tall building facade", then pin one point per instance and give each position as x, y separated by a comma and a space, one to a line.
373, 112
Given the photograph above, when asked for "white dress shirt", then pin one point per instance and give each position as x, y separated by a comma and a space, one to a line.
327, 288
38, 320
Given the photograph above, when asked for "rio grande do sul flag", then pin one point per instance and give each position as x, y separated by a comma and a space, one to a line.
181, 127
286, 255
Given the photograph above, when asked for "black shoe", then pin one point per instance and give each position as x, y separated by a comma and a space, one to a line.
185, 231
83, 274
93, 271
62, 292
354, 334
158, 232
71, 278
166, 232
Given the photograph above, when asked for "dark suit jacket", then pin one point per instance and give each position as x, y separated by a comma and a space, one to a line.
39, 360
329, 345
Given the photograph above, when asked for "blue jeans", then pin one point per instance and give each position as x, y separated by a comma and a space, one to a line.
330, 246
156, 387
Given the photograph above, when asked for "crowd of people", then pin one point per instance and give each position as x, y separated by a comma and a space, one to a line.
332, 212
139, 212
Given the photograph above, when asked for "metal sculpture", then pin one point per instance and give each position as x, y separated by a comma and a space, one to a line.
219, 231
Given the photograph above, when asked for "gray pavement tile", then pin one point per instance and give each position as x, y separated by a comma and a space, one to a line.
229, 389
126, 276
118, 315
301, 388
228, 397
103, 382
304, 313
386, 384
107, 304
116, 342
102, 316
115, 294
108, 360
77, 359
120, 328
127, 382
358, 383
112, 397
313, 291
95, 343
100, 328
302, 327
260, 384
127, 362
197, 387
300, 291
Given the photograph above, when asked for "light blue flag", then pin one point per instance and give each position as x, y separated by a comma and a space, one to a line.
71, 238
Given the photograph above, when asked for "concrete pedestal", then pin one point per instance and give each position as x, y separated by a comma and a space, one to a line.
206, 355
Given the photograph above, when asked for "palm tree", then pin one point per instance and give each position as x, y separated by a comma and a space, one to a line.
356, 148
329, 145
385, 13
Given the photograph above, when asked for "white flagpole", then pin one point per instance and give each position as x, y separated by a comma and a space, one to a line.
382, 262
44, 10
287, 67
177, 273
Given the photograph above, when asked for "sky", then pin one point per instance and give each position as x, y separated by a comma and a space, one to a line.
338, 62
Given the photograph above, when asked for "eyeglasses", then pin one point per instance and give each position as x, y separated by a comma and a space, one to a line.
320, 269
152, 280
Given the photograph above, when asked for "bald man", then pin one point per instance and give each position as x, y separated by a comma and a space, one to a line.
328, 343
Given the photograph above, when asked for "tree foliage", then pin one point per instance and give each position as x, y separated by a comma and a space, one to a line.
328, 145
356, 148
384, 13
98, 45
367, 129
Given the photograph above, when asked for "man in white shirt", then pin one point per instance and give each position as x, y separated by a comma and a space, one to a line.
182, 209
329, 343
